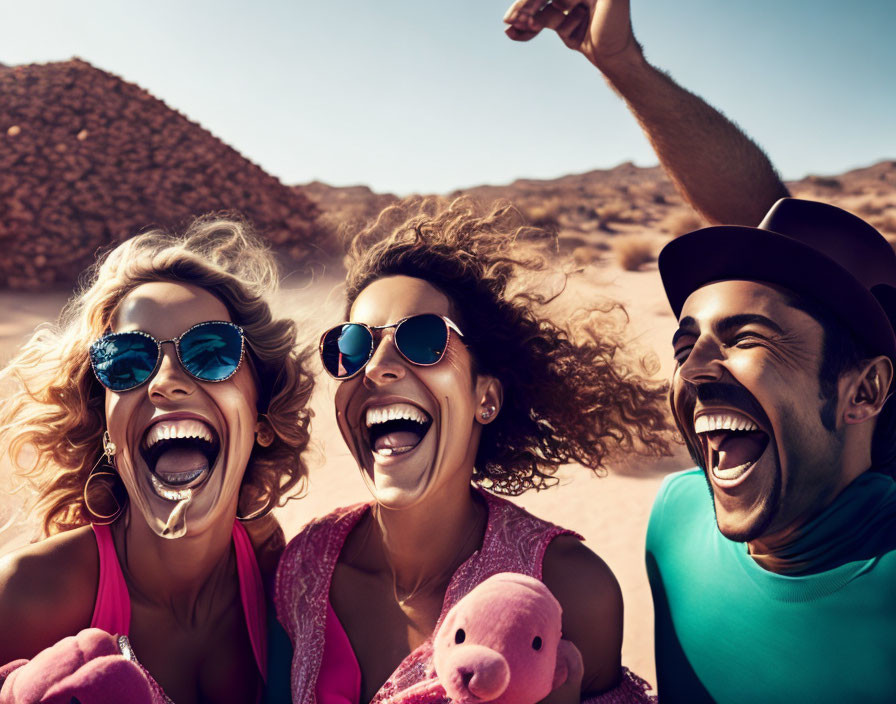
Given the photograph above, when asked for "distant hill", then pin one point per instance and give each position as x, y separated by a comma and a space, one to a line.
591, 208
88, 159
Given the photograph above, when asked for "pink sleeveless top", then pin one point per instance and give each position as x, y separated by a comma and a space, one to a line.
112, 611
514, 541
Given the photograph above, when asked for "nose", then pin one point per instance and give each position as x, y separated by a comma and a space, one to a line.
170, 382
704, 363
484, 674
386, 365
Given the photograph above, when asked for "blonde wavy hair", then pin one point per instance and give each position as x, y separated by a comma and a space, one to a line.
56, 409
572, 391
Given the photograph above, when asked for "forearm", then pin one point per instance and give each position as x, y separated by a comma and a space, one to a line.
716, 167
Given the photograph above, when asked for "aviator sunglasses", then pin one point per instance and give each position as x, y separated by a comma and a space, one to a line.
420, 339
209, 351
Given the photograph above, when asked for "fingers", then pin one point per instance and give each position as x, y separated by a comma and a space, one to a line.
520, 18
575, 26
568, 17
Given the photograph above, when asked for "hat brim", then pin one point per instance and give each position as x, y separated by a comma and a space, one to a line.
745, 253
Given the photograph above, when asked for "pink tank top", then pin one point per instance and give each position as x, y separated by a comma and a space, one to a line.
112, 611
339, 680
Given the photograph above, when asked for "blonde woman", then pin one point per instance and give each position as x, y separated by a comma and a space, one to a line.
166, 405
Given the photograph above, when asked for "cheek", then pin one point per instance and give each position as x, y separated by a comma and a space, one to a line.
682, 400
451, 378
239, 393
119, 410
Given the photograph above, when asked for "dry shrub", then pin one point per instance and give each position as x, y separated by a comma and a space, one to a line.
825, 182
568, 243
871, 205
681, 222
546, 216
617, 211
634, 251
885, 222
585, 255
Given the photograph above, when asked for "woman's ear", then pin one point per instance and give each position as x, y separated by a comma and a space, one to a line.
868, 390
491, 395
264, 432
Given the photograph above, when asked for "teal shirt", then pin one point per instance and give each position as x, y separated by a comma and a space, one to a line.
729, 631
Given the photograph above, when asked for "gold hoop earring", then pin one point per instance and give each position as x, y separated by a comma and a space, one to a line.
109, 483
260, 513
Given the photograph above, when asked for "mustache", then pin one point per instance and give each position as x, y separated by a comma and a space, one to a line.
720, 392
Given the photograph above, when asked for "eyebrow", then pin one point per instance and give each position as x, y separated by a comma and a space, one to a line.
727, 324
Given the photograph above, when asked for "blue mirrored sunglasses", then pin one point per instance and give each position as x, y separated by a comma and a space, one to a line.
209, 351
420, 339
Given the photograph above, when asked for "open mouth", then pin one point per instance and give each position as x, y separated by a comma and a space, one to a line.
395, 429
732, 443
180, 455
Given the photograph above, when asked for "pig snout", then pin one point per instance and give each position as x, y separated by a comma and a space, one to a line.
475, 673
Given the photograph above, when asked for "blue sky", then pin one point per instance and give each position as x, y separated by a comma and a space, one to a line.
419, 95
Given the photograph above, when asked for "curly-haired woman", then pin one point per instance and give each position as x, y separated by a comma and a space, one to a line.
449, 384
166, 405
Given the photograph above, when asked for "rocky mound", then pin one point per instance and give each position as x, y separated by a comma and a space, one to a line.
87, 160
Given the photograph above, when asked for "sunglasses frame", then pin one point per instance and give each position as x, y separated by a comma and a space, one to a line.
176, 342
450, 326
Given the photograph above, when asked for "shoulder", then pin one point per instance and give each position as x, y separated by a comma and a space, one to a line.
511, 524
591, 600
47, 591
320, 532
682, 485
310, 556
681, 496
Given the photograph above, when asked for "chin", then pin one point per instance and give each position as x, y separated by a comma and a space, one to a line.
749, 524
395, 492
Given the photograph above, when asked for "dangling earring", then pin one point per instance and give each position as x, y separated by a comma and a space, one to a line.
107, 481
260, 513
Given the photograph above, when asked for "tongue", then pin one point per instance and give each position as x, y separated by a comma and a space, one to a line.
398, 439
180, 460
740, 448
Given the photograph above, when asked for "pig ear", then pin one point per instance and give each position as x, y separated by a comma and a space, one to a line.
569, 664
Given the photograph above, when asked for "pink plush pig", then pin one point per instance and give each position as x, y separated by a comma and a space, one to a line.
501, 643
87, 668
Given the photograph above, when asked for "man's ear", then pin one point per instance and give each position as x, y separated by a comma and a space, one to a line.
491, 396
867, 390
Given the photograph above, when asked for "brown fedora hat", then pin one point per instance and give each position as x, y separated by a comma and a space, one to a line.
811, 248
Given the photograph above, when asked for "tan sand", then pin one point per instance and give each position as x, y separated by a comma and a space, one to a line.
610, 512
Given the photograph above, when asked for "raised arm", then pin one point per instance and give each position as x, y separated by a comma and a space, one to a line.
716, 167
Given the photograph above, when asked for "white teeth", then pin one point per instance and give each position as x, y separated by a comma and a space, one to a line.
167, 429
723, 421
382, 414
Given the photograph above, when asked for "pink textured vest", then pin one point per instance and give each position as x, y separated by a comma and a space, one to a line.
514, 541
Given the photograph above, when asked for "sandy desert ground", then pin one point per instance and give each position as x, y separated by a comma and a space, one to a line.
610, 512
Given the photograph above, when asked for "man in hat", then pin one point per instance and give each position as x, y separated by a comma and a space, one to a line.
778, 585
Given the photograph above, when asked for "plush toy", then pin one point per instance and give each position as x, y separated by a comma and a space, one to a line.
85, 669
500, 644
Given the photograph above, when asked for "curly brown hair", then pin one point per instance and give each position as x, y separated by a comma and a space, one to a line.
57, 408
569, 393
